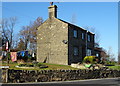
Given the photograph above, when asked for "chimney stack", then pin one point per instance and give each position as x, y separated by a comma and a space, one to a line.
52, 11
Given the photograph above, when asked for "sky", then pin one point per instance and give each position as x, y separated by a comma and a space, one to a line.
103, 16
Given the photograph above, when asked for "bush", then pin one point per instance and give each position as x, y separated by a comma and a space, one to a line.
89, 58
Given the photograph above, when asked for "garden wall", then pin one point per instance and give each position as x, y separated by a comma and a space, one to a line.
16, 76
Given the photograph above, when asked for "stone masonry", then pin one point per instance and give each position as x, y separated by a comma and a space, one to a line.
21, 76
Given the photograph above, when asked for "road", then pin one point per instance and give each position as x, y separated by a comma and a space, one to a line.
91, 82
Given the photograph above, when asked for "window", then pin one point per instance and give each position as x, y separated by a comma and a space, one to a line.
75, 33
88, 38
89, 52
75, 51
97, 54
83, 35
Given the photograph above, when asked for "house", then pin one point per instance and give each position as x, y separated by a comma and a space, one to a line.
60, 42
100, 53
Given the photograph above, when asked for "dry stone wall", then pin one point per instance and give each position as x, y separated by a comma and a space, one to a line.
16, 76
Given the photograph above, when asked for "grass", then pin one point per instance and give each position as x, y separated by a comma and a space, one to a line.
50, 66
114, 67
56, 66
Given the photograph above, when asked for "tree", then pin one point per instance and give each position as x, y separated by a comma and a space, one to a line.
25, 36
110, 56
29, 33
8, 26
21, 45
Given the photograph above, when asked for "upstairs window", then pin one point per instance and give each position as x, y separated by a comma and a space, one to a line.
75, 51
75, 33
83, 36
88, 37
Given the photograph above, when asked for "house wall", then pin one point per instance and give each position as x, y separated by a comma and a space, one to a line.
43, 40
50, 46
90, 45
76, 42
82, 44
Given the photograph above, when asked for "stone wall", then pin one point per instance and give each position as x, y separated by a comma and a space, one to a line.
50, 46
16, 76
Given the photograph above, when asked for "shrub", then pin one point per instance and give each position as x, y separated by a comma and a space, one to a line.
89, 58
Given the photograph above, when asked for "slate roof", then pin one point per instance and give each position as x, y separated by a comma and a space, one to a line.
74, 25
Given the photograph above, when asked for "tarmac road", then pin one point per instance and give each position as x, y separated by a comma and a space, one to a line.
91, 82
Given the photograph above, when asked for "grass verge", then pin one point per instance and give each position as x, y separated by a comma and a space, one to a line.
50, 66
114, 67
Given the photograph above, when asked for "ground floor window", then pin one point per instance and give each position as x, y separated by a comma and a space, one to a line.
89, 52
76, 51
97, 54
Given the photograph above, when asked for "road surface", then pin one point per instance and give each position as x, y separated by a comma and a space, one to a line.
91, 82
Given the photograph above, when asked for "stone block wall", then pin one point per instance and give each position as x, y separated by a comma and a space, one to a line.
50, 46
16, 76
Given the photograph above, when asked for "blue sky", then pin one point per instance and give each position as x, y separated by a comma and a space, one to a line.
101, 15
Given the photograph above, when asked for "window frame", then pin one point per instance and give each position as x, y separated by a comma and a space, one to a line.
89, 38
75, 33
83, 36
75, 51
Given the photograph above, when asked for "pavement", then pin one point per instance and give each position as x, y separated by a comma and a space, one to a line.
90, 82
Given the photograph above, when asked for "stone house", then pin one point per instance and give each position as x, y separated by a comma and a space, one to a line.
60, 42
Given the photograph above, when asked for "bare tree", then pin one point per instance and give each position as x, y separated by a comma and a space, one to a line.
110, 55
29, 33
8, 26
21, 45
24, 35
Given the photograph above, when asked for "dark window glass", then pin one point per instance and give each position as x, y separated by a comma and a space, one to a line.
89, 52
88, 38
75, 33
83, 36
75, 51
